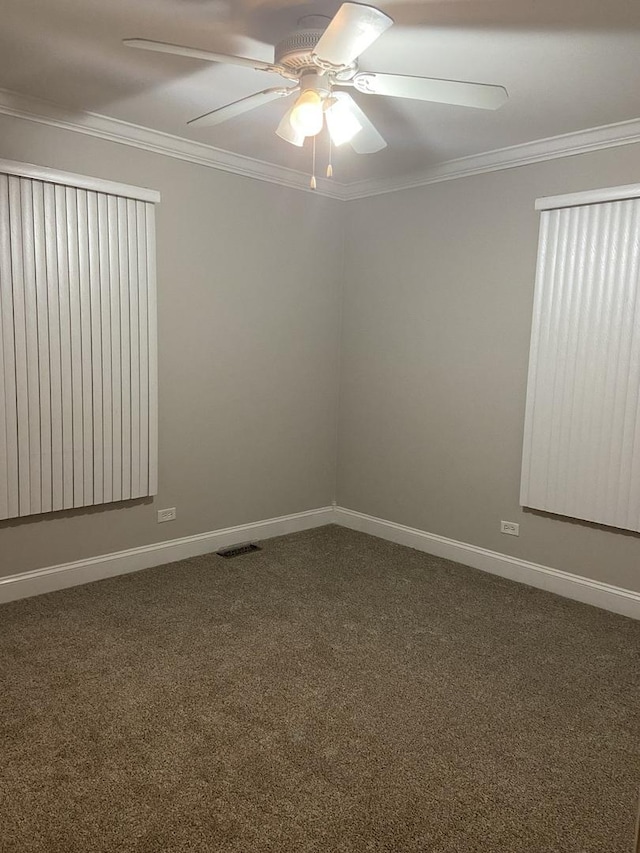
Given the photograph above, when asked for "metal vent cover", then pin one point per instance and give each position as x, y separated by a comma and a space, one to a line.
236, 550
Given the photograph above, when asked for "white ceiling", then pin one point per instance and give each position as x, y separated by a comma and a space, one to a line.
568, 65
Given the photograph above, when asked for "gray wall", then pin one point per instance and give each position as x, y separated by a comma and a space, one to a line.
248, 341
436, 323
436, 313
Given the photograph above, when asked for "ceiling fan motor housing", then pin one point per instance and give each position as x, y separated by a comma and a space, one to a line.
295, 51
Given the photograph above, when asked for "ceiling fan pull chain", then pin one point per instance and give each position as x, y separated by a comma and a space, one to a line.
329, 166
312, 182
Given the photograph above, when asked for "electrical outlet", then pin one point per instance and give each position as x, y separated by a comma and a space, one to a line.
167, 514
510, 527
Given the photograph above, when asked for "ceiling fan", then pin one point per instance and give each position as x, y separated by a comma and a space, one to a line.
321, 64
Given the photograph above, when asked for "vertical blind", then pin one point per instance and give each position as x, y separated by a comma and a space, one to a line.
78, 388
582, 426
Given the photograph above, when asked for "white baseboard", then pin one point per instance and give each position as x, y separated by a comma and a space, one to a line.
52, 578
613, 598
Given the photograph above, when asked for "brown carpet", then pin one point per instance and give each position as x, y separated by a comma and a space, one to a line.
332, 692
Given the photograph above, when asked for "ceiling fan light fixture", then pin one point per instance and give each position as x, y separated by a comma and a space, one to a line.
342, 123
307, 115
318, 58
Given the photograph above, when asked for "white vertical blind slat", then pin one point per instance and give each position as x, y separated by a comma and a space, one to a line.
4, 448
31, 325
628, 400
8, 417
20, 346
52, 286
85, 345
104, 301
532, 383
586, 473
43, 364
97, 454
76, 345
553, 345
572, 275
125, 347
581, 454
143, 307
134, 340
608, 433
116, 361
576, 418
153, 348
64, 307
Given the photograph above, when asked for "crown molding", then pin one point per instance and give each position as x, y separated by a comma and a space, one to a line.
159, 142
551, 148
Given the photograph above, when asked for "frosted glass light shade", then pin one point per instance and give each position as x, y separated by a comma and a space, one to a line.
286, 131
342, 123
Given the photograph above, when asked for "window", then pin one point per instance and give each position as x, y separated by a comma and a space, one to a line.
582, 427
78, 407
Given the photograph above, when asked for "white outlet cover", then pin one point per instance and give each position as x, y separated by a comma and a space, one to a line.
166, 514
511, 528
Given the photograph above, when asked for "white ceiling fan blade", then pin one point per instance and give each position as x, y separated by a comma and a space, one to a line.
367, 140
352, 30
479, 95
195, 53
238, 107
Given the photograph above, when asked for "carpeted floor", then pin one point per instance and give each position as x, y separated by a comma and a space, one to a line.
332, 692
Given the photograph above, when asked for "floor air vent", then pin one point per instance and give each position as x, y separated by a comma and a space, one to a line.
236, 550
